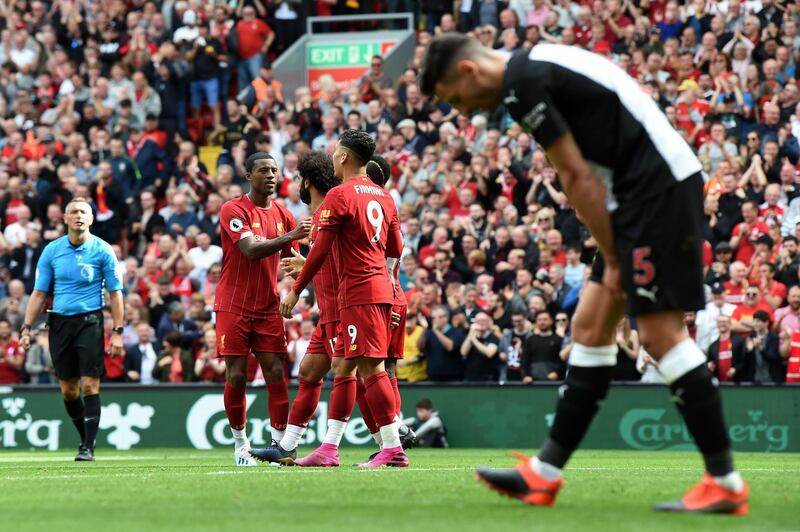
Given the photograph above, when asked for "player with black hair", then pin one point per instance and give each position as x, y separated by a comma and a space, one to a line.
360, 221
255, 230
315, 170
638, 187
380, 172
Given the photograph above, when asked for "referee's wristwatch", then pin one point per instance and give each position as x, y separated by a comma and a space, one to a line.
26, 328
118, 330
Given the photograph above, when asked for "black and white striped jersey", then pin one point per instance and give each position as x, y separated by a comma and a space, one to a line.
554, 89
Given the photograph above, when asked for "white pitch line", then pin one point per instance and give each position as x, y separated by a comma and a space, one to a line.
33, 459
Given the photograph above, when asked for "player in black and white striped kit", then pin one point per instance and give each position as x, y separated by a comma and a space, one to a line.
637, 186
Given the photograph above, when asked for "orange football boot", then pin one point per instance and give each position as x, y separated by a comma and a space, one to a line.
709, 497
522, 483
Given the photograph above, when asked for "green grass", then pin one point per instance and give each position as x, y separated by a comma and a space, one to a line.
169, 489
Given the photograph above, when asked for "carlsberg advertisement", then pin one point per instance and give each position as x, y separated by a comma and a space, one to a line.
633, 417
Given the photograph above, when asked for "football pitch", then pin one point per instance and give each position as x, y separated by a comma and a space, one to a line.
173, 489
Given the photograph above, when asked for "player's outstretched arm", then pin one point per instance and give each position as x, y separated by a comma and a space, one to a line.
258, 250
322, 247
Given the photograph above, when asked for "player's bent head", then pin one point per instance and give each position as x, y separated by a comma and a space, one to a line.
356, 143
444, 53
253, 159
379, 170
316, 168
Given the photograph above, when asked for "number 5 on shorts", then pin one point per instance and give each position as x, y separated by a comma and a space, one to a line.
643, 269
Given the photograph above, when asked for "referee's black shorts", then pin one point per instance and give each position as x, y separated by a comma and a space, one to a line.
659, 245
77, 345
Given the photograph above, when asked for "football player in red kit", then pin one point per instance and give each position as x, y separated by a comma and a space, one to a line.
360, 220
254, 231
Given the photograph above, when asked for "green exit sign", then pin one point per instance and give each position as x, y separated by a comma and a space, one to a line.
326, 55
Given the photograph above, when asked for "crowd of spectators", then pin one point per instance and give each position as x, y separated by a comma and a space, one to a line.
113, 101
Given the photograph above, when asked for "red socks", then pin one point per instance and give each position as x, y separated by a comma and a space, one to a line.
398, 401
380, 397
343, 398
278, 404
235, 405
305, 403
366, 411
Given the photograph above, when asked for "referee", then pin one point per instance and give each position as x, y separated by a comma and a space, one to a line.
76, 268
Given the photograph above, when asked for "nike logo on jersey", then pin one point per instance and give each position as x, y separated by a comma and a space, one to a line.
647, 294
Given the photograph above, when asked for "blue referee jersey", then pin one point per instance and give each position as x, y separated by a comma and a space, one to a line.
77, 274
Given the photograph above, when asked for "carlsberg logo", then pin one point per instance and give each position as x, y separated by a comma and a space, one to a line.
207, 426
644, 429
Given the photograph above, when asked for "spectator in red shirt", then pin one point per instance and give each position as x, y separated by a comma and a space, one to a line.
746, 233
770, 211
556, 244
439, 240
615, 20
583, 27
774, 291
255, 38
11, 356
742, 317
736, 286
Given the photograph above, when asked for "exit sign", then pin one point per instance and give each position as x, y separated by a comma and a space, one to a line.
345, 55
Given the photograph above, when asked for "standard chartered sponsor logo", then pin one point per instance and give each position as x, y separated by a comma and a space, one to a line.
207, 426
643, 428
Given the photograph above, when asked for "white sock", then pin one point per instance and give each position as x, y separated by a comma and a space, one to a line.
401, 427
680, 360
292, 437
545, 470
277, 435
377, 437
240, 440
390, 436
335, 432
732, 481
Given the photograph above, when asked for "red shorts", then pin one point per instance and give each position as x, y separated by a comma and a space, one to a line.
239, 335
324, 339
365, 330
397, 336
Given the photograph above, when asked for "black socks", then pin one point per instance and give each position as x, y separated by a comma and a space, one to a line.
91, 419
697, 397
75, 412
580, 398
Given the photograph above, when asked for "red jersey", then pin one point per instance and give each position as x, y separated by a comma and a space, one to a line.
326, 281
252, 36
734, 293
746, 247
746, 312
9, 375
359, 220
708, 254
793, 364
250, 287
724, 359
